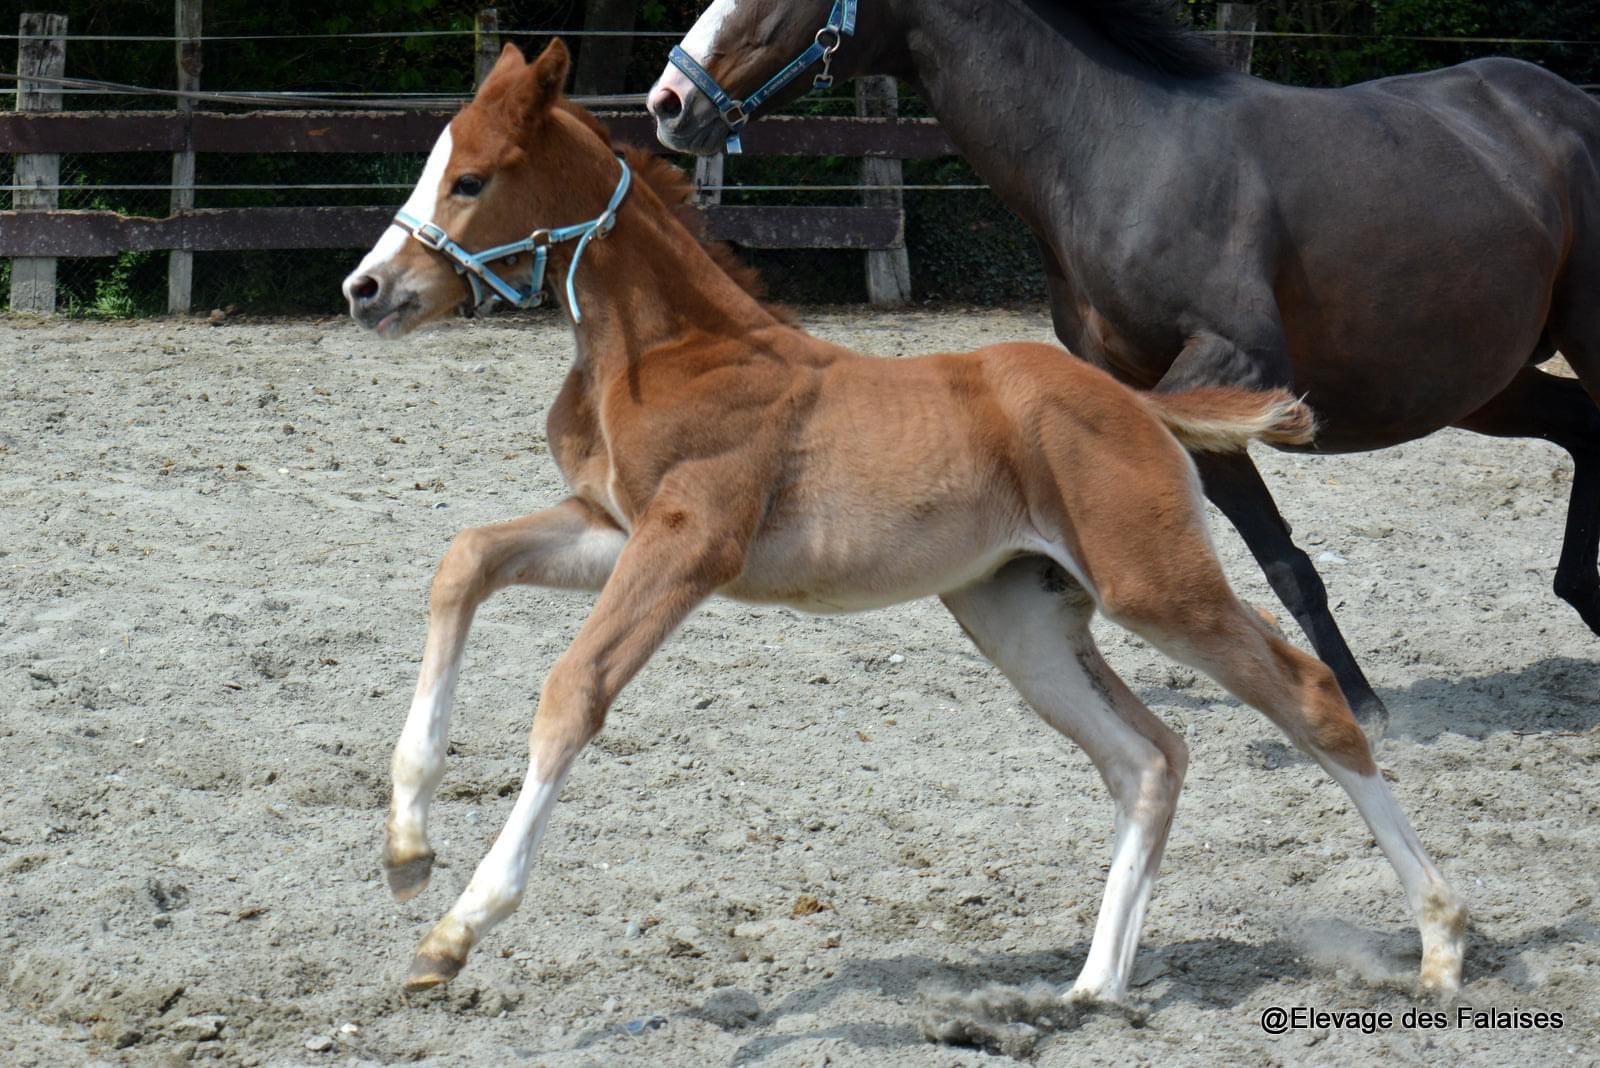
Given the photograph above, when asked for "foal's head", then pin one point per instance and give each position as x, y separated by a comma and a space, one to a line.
516, 159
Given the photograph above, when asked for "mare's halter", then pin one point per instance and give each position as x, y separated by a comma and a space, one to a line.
475, 265
841, 24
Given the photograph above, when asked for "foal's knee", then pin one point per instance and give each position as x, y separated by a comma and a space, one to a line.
458, 580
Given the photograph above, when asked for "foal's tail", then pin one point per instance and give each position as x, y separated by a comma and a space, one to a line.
1217, 419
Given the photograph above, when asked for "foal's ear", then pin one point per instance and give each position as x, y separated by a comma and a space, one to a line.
547, 76
526, 90
510, 64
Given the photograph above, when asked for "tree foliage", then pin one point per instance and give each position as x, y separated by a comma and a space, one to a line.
1354, 40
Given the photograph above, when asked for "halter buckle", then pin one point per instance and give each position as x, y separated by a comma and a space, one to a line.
829, 37
539, 239
734, 115
431, 235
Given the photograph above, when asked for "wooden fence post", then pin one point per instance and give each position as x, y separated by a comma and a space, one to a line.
708, 172
888, 270
180, 262
1237, 22
487, 43
41, 50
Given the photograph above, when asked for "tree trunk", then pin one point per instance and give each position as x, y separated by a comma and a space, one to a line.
603, 61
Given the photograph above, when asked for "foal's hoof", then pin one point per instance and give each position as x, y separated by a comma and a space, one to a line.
408, 878
1084, 1001
429, 970
1444, 937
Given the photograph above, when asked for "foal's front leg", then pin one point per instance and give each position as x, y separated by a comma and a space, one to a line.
670, 564
572, 545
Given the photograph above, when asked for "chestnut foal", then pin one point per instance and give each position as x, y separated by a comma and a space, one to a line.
712, 448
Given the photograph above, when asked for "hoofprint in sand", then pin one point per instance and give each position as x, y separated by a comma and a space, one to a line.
797, 837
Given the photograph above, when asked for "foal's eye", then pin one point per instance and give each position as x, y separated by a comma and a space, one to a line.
468, 185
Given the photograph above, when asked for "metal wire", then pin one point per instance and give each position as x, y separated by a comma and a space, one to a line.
275, 99
276, 186
200, 188
676, 34
390, 34
813, 188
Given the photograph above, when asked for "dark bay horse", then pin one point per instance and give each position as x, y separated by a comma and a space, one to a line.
1403, 253
712, 447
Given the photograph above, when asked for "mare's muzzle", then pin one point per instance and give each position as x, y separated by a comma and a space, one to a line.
736, 113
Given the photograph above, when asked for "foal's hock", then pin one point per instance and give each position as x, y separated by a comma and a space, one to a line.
712, 448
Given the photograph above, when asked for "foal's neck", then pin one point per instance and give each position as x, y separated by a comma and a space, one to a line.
647, 286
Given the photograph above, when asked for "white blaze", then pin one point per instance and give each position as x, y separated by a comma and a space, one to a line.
698, 41
420, 205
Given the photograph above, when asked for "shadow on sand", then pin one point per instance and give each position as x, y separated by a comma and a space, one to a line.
1559, 693
1214, 974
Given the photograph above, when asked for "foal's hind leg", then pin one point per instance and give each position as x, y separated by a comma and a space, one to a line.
1561, 411
1235, 486
570, 545
1216, 634
1032, 621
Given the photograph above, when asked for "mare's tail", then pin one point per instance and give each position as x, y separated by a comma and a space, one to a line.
1219, 419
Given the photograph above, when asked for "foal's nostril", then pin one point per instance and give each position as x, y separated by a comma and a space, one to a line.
364, 288
665, 104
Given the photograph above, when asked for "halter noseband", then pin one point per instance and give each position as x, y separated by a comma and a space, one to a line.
841, 24
475, 265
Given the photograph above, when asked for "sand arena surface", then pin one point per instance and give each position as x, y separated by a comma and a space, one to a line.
800, 841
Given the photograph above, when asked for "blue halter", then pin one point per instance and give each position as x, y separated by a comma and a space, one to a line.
841, 24
475, 265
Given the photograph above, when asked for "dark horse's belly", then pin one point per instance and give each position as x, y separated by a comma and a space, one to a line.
1399, 277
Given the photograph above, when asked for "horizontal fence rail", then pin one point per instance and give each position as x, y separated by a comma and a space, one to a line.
416, 131
80, 234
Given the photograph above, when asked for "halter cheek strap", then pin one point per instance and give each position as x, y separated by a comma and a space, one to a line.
735, 113
475, 265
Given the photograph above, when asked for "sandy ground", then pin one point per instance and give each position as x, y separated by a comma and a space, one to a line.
215, 547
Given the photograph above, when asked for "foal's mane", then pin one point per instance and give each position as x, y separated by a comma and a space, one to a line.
1147, 30
672, 185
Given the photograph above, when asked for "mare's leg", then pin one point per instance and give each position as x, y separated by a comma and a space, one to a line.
1212, 631
1234, 485
570, 545
1561, 411
1032, 621
671, 562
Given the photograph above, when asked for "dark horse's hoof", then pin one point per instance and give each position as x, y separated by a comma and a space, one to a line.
1372, 714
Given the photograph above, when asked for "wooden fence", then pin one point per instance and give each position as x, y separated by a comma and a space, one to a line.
36, 233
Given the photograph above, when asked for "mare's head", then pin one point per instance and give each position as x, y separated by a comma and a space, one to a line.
741, 45
517, 158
